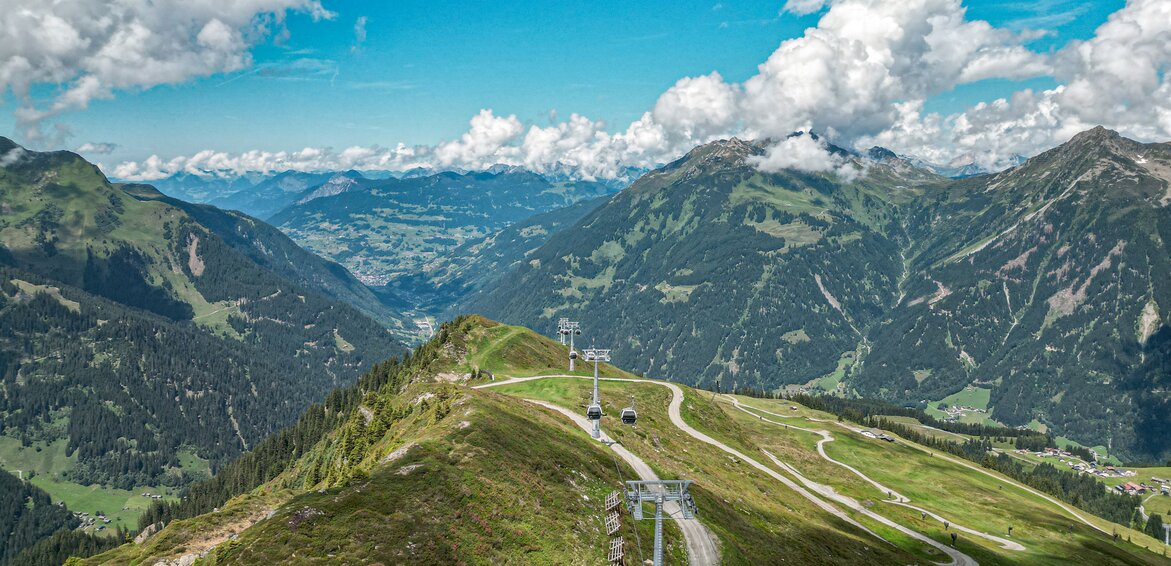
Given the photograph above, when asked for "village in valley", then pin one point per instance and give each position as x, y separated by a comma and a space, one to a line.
1154, 484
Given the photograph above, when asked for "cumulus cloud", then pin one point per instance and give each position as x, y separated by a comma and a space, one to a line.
860, 77
93, 49
698, 108
483, 143
844, 76
97, 148
225, 164
1118, 78
804, 152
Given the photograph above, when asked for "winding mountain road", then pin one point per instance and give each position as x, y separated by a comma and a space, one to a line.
675, 414
828, 491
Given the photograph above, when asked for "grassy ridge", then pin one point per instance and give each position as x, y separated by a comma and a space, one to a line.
490, 481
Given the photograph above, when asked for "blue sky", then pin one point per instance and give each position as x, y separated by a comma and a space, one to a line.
426, 67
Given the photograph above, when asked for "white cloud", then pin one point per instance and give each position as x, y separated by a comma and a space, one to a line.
803, 7
861, 77
698, 108
11, 156
209, 162
844, 77
1119, 78
483, 145
803, 152
94, 48
359, 34
97, 148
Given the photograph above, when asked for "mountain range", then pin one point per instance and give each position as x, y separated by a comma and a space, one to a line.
1044, 287
262, 194
150, 343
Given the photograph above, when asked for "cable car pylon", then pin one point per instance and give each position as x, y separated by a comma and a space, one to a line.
594, 411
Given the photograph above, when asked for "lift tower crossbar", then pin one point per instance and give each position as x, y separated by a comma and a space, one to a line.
659, 492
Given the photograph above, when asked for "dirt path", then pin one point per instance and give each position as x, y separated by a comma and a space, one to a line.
675, 414
1142, 508
899, 499
478, 358
217, 311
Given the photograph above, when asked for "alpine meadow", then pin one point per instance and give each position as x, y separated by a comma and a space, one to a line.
824, 282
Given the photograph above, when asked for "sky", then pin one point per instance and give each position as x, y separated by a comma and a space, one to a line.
148, 88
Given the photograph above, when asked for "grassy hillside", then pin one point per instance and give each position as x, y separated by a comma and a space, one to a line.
270, 249
424, 469
986, 501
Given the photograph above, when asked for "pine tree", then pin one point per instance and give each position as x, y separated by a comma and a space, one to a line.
1155, 526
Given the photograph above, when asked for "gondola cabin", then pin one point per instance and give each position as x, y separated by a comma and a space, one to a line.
594, 412
629, 416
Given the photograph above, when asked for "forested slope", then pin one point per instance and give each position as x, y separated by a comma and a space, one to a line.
138, 329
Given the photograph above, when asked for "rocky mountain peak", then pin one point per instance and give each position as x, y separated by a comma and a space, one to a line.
1097, 134
880, 153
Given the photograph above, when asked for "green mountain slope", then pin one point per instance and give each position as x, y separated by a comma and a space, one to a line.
1045, 284
27, 515
271, 250
1048, 284
417, 465
144, 339
708, 269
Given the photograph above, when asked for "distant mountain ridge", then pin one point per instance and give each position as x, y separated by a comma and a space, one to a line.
963, 166
1046, 284
263, 194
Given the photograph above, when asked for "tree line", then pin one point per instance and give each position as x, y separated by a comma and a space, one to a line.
276, 453
1082, 491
